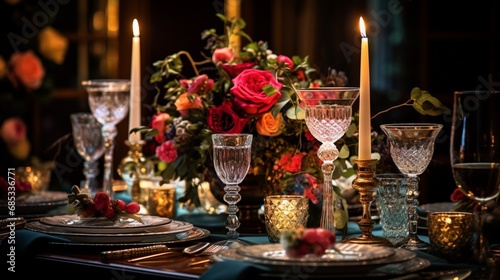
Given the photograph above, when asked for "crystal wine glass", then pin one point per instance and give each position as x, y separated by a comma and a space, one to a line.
475, 154
328, 115
411, 148
109, 103
232, 156
89, 143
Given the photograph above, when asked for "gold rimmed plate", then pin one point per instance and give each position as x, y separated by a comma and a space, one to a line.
341, 252
72, 223
151, 234
330, 268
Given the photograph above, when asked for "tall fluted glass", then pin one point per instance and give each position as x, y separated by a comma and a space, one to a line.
89, 143
328, 115
475, 154
232, 157
412, 148
109, 103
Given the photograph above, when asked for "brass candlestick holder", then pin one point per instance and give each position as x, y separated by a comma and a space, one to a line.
365, 184
135, 166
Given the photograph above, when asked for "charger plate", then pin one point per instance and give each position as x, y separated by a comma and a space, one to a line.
72, 223
339, 253
265, 255
151, 234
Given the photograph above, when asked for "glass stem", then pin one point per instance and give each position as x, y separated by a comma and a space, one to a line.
108, 133
481, 246
327, 220
232, 197
412, 202
90, 170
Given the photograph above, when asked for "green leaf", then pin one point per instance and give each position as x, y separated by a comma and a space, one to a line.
269, 90
344, 152
426, 104
296, 113
351, 130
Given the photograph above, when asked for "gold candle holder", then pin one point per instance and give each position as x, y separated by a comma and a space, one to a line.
365, 183
133, 167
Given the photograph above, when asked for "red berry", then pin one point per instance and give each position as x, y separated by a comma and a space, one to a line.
120, 204
109, 213
132, 208
101, 201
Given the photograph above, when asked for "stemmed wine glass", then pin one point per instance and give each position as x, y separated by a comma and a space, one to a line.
475, 154
232, 156
328, 115
89, 143
411, 148
109, 103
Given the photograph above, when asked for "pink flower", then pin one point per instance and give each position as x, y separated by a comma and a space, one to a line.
286, 60
291, 163
256, 91
201, 85
159, 122
234, 70
223, 119
27, 69
223, 55
13, 131
166, 152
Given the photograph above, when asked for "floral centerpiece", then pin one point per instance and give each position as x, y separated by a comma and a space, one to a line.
251, 90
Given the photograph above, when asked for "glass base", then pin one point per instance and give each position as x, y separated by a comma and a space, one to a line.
413, 243
232, 243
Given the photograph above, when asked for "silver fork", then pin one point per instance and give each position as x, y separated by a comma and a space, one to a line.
212, 249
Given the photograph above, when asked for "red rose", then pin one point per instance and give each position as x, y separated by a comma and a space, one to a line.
166, 152
132, 208
223, 55
101, 200
159, 122
250, 94
223, 119
291, 163
201, 85
26, 69
286, 60
235, 70
457, 195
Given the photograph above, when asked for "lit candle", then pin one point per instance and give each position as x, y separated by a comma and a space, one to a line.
135, 85
364, 128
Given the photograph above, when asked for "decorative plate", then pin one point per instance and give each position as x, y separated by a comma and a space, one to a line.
73, 223
151, 234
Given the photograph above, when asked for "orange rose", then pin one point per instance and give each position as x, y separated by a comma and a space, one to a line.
267, 125
27, 69
183, 103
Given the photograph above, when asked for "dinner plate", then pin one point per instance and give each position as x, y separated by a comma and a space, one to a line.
37, 203
192, 235
151, 234
72, 223
321, 268
342, 252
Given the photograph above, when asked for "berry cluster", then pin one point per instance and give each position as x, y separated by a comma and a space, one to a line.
305, 241
102, 205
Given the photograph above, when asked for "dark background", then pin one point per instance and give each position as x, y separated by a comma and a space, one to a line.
439, 46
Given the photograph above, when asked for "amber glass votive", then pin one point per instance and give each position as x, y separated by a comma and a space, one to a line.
451, 234
161, 201
284, 212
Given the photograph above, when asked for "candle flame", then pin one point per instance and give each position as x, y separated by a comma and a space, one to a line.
362, 27
135, 28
